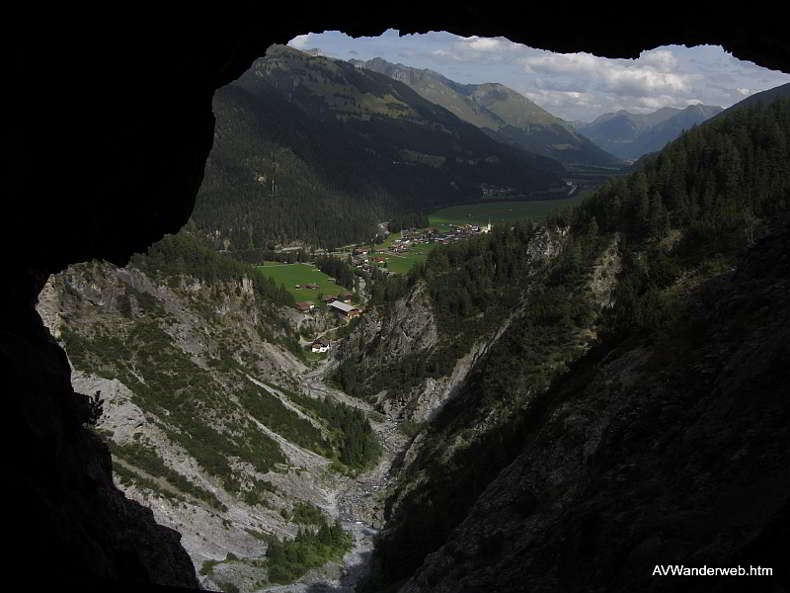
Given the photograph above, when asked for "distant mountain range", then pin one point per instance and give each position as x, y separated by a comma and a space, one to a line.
316, 149
501, 112
629, 135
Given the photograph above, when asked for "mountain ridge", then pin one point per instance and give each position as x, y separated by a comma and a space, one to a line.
504, 114
631, 135
311, 148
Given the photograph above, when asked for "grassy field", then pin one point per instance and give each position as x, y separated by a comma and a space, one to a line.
292, 274
494, 212
499, 212
400, 264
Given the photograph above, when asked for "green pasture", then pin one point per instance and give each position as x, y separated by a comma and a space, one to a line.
402, 263
499, 212
292, 274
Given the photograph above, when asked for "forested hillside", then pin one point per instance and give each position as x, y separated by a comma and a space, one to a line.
620, 316
312, 149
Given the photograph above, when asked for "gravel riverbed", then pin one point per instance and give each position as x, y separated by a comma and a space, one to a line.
357, 502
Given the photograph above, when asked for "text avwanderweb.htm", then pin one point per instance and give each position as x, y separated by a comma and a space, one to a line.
681, 570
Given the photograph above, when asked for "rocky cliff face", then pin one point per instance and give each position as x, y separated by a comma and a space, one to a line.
652, 454
66, 509
410, 326
461, 430
468, 421
125, 332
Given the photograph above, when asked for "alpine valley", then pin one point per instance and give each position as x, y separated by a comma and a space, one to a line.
555, 405
314, 149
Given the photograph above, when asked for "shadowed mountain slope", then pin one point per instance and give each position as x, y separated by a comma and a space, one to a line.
315, 149
595, 438
501, 112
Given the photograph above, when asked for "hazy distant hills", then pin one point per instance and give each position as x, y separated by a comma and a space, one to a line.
629, 136
499, 111
316, 149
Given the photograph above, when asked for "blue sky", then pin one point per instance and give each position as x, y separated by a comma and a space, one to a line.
578, 86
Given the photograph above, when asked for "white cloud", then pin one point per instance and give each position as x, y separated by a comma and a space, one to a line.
626, 77
301, 41
638, 82
484, 44
551, 63
660, 59
575, 85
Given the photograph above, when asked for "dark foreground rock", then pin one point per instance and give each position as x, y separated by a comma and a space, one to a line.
675, 452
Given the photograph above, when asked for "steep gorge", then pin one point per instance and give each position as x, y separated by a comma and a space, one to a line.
647, 454
205, 415
597, 436
110, 144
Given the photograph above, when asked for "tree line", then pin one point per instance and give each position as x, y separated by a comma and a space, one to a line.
183, 253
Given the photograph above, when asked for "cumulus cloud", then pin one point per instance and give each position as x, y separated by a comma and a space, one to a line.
660, 59
483, 43
626, 77
551, 63
301, 41
578, 85
639, 83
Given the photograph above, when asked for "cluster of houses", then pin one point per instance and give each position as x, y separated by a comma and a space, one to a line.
362, 258
340, 304
455, 232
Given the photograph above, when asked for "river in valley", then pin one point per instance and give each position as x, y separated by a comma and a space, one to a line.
356, 502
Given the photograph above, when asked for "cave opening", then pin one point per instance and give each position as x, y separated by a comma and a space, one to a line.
104, 172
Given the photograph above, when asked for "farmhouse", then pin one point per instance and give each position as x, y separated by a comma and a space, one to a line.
344, 310
305, 306
320, 345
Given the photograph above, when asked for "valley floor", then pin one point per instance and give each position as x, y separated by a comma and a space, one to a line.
356, 502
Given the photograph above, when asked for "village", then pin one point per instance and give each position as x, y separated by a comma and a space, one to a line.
398, 253
410, 242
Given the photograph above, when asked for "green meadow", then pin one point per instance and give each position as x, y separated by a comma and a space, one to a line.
402, 263
482, 213
499, 212
292, 274
493, 212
